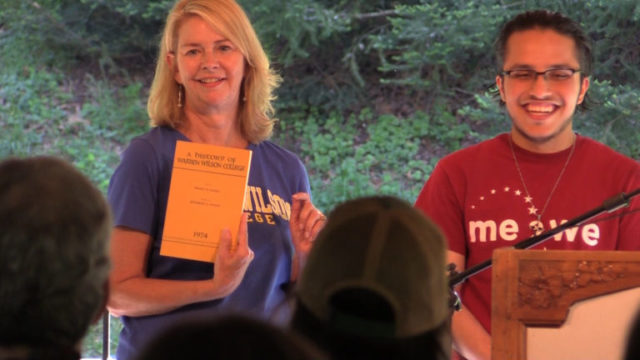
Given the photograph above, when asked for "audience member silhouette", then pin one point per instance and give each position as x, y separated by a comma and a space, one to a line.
54, 230
633, 340
229, 337
375, 284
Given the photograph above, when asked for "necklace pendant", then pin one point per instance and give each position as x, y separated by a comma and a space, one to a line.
537, 227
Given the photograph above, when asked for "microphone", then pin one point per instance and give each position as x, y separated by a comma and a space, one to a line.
609, 205
619, 201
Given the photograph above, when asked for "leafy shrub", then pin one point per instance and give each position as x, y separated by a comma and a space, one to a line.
367, 154
32, 111
39, 116
614, 121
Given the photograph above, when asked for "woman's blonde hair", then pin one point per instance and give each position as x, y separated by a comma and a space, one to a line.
228, 18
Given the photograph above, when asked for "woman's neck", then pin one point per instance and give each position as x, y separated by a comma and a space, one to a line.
216, 129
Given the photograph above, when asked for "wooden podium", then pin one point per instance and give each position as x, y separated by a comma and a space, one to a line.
537, 288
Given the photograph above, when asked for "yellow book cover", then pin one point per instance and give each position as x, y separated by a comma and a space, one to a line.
206, 195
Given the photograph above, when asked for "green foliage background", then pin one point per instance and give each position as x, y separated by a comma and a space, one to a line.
374, 92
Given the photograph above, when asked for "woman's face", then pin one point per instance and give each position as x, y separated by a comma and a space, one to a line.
209, 66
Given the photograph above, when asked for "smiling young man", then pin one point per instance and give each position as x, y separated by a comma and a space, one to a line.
533, 178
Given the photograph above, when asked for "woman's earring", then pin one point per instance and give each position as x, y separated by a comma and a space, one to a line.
180, 90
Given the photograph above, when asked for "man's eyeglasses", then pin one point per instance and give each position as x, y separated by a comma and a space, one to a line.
529, 75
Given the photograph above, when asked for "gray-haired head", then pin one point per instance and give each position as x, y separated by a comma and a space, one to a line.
54, 265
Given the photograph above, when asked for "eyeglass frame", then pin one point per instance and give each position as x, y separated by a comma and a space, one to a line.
544, 74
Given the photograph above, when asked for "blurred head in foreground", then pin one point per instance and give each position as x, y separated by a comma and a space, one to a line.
229, 337
54, 230
375, 284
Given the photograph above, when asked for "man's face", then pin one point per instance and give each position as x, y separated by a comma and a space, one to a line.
541, 110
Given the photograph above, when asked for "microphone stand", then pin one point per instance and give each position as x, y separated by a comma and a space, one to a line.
609, 205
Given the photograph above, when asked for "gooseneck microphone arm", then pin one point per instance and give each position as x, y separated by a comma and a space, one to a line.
610, 205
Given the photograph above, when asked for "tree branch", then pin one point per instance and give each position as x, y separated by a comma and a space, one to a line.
383, 13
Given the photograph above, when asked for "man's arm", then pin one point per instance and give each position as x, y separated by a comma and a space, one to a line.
470, 339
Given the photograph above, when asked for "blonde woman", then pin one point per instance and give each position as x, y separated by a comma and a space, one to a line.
213, 85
